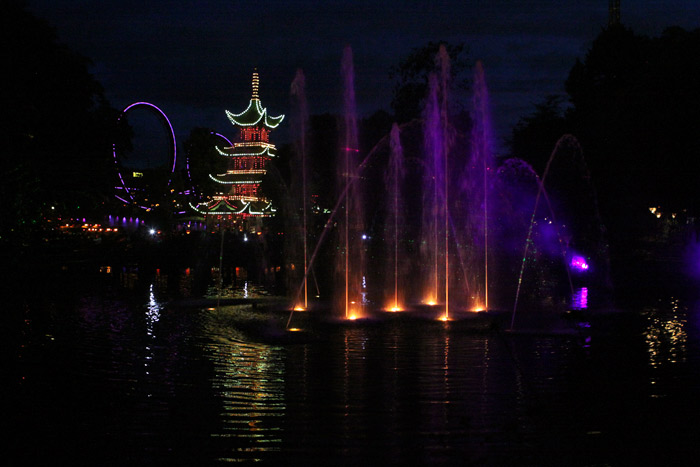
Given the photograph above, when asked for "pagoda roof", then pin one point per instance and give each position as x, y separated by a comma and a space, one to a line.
242, 178
229, 207
259, 150
255, 114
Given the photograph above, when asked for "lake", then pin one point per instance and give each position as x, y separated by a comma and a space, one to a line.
110, 369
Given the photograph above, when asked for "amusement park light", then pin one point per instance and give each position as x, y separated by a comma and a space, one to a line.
579, 263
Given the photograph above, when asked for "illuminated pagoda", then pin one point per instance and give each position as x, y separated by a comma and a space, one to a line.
240, 196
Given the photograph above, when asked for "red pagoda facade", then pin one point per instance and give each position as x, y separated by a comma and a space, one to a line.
240, 195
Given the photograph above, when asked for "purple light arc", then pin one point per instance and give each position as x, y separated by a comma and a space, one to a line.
172, 135
223, 137
187, 159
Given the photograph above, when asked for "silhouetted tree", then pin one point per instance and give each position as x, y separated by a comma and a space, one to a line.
57, 133
411, 75
535, 135
635, 108
200, 149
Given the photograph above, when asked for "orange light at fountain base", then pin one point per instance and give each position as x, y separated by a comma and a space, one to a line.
430, 302
294, 329
352, 316
479, 309
299, 308
444, 318
394, 309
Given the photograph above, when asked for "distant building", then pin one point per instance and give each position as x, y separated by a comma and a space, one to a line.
613, 12
240, 199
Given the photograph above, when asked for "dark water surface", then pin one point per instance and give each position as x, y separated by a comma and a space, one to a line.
107, 374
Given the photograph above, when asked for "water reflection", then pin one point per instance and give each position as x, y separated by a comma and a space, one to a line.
579, 300
152, 316
238, 289
249, 380
155, 383
665, 334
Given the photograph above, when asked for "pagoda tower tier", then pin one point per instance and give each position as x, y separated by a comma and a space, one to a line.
240, 194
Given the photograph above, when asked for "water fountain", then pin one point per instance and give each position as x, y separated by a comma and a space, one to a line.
299, 182
351, 260
395, 222
473, 226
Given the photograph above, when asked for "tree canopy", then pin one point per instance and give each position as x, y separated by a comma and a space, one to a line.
58, 125
634, 104
410, 77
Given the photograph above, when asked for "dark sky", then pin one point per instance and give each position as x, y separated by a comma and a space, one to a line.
194, 59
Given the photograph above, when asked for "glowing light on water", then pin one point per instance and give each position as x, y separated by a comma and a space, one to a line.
579, 300
294, 329
153, 312
299, 308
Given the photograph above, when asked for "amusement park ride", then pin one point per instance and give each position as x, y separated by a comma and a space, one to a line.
238, 198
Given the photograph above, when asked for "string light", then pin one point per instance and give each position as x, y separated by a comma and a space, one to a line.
249, 156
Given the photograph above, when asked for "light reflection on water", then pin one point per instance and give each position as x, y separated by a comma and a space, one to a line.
665, 334
579, 300
152, 317
249, 380
365, 393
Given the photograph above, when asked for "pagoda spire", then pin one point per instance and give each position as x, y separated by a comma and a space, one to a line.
613, 12
256, 84
240, 195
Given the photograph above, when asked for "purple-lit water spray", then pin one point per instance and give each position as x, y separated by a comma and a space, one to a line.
351, 226
435, 219
470, 216
298, 91
577, 262
395, 220
476, 187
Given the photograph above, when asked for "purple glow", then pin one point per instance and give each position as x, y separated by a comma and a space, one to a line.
224, 138
579, 300
174, 143
172, 132
578, 263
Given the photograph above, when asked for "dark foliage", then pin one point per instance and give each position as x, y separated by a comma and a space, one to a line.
56, 132
411, 75
635, 108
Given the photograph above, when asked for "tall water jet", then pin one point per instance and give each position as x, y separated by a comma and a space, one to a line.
478, 185
351, 225
435, 234
395, 218
299, 172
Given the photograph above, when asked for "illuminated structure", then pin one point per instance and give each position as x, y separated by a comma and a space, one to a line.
240, 196
613, 12
145, 189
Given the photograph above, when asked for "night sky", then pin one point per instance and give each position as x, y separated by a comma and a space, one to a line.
194, 59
